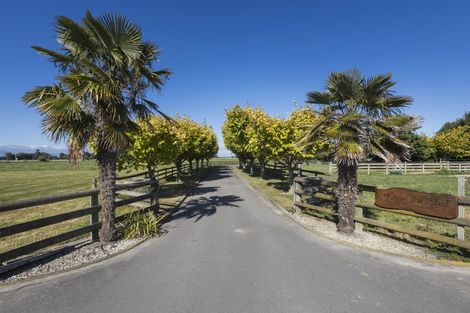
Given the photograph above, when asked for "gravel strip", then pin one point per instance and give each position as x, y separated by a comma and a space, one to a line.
89, 253
365, 239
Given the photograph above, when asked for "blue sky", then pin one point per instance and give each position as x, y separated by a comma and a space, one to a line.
267, 53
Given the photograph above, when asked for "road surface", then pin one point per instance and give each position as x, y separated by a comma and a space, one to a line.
228, 251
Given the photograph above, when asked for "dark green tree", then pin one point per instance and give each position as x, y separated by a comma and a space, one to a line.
462, 121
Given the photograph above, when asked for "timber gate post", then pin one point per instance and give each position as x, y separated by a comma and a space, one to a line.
154, 189
94, 218
461, 192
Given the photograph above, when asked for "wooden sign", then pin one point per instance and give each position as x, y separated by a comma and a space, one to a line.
430, 204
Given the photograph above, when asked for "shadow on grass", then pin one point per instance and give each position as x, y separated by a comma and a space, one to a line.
279, 185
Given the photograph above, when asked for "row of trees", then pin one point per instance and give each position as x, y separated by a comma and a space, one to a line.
36, 155
450, 143
42, 156
253, 135
160, 140
356, 118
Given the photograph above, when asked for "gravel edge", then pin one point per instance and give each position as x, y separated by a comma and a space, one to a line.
45, 269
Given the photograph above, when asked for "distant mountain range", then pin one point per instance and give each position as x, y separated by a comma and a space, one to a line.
28, 149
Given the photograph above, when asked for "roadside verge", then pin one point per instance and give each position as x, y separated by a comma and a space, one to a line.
365, 240
37, 271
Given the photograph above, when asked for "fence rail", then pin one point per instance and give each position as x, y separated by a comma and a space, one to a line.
325, 193
279, 169
148, 181
409, 167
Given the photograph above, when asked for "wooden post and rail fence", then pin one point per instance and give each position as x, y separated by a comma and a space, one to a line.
315, 195
126, 195
408, 167
312, 192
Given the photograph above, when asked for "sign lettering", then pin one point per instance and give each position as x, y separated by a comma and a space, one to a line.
430, 204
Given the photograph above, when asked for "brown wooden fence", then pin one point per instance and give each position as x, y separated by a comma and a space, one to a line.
410, 167
316, 198
123, 188
321, 199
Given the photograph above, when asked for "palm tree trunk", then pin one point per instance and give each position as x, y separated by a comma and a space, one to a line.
240, 163
190, 167
346, 194
107, 183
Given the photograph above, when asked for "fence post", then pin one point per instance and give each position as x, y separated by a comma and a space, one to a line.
297, 198
359, 213
330, 167
422, 168
368, 168
405, 167
461, 192
94, 218
299, 171
386, 168
154, 192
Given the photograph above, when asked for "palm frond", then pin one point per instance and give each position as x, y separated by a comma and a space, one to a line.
60, 60
126, 36
74, 37
101, 36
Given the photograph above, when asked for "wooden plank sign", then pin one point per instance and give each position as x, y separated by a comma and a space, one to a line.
430, 204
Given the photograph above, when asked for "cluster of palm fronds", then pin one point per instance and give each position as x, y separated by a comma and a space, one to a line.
104, 71
361, 117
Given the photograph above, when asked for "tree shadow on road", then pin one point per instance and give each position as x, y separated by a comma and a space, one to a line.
203, 190
204, 206
218, 172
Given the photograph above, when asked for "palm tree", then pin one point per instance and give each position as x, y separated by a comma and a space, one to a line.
360, 117
104, 70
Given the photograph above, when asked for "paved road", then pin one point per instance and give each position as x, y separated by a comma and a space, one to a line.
228, 251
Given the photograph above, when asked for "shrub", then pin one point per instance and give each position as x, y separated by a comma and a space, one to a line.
140, 225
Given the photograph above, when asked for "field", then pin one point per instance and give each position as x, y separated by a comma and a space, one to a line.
422, 182
21, 180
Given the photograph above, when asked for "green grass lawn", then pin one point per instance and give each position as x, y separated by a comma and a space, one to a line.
422, 182
223, 161
20, 180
